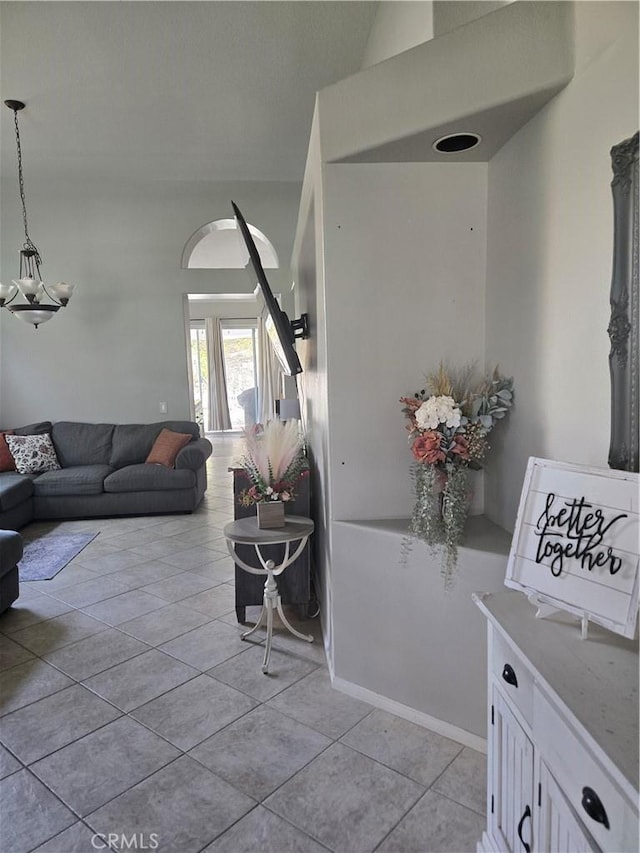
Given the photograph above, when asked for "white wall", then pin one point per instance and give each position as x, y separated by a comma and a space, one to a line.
502, 68
403, 287
449, 14
550, 257
119, 348
397, 26
228, 309
401, 636
404, 277
312, 383
388, 258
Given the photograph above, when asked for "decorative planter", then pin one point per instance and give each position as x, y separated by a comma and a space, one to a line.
270, 514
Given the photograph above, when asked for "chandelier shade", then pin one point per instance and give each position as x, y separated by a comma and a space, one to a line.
29, 285
34, 314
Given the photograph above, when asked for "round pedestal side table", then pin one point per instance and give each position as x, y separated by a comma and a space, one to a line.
245, 531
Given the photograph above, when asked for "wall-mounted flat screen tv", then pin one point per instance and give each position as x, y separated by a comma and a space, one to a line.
282, 331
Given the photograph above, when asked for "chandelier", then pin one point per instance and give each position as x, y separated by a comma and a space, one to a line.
36, 309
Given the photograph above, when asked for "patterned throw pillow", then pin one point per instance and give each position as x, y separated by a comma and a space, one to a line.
166, 447
6, 459
33, 454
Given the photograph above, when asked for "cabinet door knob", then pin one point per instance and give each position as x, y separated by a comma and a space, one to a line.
592, 804
527, 813
509, 675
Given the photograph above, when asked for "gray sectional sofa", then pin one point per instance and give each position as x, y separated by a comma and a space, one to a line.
10, 555
103, 473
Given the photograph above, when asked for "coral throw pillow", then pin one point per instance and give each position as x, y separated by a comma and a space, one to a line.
32, 454
166, 447
6, 459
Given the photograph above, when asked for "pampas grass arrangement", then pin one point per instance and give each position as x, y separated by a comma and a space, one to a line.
274, 461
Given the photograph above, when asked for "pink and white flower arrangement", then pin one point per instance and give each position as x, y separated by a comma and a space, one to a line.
449, 424
274, 462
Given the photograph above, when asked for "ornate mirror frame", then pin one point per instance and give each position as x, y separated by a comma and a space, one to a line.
624, 325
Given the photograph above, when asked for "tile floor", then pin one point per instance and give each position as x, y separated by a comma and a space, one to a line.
130, 706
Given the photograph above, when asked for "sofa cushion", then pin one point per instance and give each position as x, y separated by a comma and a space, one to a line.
11, 546
11, 550
195, 454
34, 429
148, 478
77, 480
14, 489
6, 459
32, 453
166, 446
82, 444
132, 443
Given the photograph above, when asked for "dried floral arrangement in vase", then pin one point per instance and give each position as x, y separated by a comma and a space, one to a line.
274, 462
449, 425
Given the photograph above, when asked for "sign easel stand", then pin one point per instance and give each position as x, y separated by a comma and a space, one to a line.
544, 610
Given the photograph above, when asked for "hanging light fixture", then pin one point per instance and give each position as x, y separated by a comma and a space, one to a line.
30, 284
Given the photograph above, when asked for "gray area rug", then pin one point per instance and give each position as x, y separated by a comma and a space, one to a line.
44, 557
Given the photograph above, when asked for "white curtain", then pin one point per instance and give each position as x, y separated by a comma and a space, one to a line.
269, 376
219, 417
187, 337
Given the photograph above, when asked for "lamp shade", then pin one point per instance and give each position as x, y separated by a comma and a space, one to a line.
7, 292
61, 291
29, 287
34, 314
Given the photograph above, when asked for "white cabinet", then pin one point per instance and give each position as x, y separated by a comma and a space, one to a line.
511, 780
562, 734
558, 829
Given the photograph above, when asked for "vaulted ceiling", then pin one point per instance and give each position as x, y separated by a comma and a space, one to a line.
172, 90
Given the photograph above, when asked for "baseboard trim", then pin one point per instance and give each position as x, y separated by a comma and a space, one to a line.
332, 674
484, 845
440, 727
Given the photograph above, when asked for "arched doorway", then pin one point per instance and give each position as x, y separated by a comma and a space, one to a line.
216, 245
234, 377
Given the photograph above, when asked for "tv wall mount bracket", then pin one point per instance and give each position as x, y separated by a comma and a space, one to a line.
300, 328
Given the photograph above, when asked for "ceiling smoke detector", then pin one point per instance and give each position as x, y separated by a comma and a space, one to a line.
455, 143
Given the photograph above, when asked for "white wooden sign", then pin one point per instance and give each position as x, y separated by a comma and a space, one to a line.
576, 542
